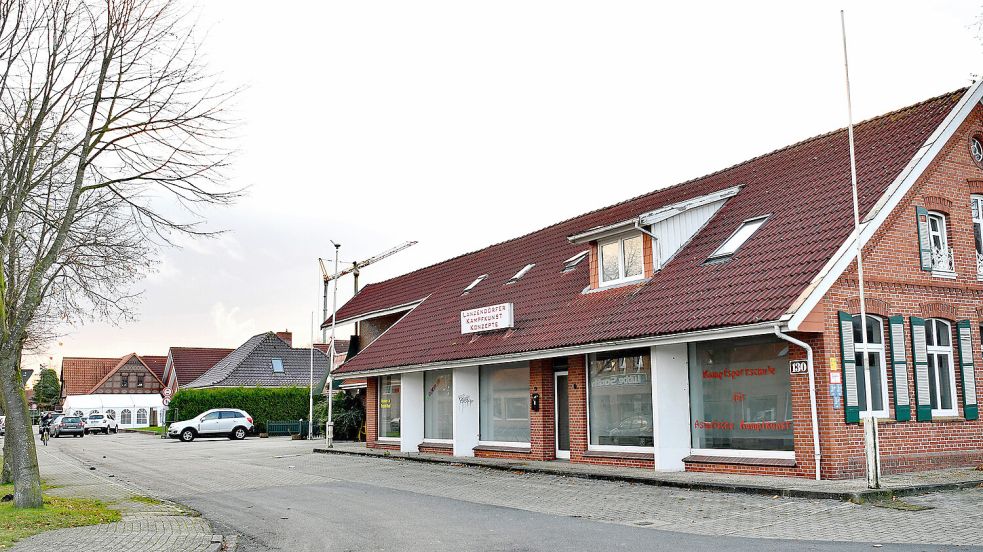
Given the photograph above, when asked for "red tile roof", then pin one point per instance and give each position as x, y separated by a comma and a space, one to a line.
341, 346
191, 362
805, 188
80, 374
156, 364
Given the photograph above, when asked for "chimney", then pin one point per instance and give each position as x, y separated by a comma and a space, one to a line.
286, 336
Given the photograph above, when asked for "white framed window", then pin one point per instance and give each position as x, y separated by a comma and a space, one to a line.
521, 273
126, 417
619, 401
621, 260
738, 238
939, 240
977, 206
941, 375
572, 262
877, 364
141, 416
475, 283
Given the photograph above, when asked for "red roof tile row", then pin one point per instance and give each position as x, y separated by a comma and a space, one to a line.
804, 187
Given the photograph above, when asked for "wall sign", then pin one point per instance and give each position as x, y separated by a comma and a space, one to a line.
486, 319
798, 367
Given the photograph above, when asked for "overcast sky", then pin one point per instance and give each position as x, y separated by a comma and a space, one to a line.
460, 124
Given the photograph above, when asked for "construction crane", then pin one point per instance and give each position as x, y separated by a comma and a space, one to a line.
354, 270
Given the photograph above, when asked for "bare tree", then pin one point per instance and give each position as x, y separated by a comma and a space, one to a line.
111, 137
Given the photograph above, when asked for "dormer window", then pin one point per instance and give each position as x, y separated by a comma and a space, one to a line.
520, 274
737, 239
621, 259
475, 283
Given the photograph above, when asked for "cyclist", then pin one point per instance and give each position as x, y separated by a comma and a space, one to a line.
43, 424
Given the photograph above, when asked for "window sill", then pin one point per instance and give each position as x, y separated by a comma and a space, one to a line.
623, 455
389, 440
945, 419
616, 285
499, 448
436, 445
703, 459
944, 274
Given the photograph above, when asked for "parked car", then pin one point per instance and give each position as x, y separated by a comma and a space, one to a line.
218, 422
100, 423
67, 425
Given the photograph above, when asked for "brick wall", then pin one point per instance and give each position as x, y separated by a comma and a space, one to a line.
896, 285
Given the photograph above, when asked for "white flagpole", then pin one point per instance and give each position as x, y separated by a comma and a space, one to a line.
310, 408
329, 430
871, 452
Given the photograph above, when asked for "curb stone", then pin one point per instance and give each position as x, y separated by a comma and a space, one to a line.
742, 488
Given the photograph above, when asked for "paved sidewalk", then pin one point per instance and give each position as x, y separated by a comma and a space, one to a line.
147, 525
850, 489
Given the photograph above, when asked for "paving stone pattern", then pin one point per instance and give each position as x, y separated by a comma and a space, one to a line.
145, 527
172, 470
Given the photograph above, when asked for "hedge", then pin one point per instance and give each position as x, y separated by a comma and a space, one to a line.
262, 403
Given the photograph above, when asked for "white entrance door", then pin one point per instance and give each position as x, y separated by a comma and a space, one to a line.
562, 414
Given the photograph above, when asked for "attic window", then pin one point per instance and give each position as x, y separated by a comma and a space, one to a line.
475, 283
277, 365
737, 239
572, 262
520, 273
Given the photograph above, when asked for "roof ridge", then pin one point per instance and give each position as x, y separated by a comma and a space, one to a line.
677, 185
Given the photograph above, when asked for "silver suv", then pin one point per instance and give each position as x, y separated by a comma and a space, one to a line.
218, 422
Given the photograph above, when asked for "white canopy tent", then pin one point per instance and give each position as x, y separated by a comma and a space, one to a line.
130, 410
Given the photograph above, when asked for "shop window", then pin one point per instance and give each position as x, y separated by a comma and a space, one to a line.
876, 364
503, 403
126, 417
740, 395
621, 260
737, 239
389, 394
141, 416
620, 399
941, 376
438, 405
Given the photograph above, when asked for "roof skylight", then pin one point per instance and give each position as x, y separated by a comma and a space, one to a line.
570, 263
277, 365
475, 283
737, 239
520, 273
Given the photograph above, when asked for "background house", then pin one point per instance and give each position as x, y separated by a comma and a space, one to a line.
185, 364
265, 360
126, 388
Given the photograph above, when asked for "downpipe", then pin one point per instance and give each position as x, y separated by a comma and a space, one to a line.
812, 394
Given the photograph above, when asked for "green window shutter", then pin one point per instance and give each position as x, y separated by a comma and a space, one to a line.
899, 369
967, 368
851, 402
919, 358
924, 241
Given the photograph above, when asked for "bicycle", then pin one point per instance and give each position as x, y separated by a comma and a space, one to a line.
45, 435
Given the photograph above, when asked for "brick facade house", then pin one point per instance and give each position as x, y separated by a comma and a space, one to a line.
128, 389
673, 331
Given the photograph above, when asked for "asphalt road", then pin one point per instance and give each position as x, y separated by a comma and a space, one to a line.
278, 496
